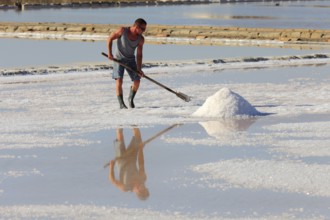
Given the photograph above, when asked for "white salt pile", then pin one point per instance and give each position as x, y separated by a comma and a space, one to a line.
226, 104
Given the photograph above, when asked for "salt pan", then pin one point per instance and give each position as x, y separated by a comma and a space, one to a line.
226, 104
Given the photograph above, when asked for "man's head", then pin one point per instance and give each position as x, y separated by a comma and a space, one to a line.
141, 24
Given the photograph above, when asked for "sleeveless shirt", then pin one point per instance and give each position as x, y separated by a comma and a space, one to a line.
126, 47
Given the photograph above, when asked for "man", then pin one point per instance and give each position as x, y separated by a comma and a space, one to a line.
128, 40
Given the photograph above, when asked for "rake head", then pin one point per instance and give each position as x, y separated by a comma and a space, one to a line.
183, 96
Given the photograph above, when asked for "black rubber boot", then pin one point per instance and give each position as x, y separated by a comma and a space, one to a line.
121, 102
131, 97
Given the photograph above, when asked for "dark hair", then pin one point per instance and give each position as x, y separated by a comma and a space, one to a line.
140, 21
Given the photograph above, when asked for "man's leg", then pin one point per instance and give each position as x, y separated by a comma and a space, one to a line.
132, 93
136, 83
118, 75
119, 92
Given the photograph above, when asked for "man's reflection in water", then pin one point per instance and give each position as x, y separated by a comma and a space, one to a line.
130, 163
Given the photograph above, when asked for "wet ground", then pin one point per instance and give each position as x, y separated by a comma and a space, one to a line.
58, 143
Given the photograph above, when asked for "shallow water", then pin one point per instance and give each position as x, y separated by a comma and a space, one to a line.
79, 175
290, 14
17, 53
32, 53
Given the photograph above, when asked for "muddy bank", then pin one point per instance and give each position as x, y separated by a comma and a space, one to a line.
67, 31
25, 4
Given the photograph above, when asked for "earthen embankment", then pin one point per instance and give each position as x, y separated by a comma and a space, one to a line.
25, 4
101, 31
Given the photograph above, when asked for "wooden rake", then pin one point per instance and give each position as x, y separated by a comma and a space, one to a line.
178, 94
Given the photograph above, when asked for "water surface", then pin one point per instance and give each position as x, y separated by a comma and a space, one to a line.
290, 14
33, 53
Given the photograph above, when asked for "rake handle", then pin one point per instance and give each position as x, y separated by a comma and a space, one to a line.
147, 77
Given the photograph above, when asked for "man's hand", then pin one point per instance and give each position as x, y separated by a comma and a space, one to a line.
110, 56
140, 73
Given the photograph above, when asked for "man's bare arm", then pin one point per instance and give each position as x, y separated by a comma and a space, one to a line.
139, 56
113, 36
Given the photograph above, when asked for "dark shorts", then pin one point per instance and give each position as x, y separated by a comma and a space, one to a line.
118, 70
